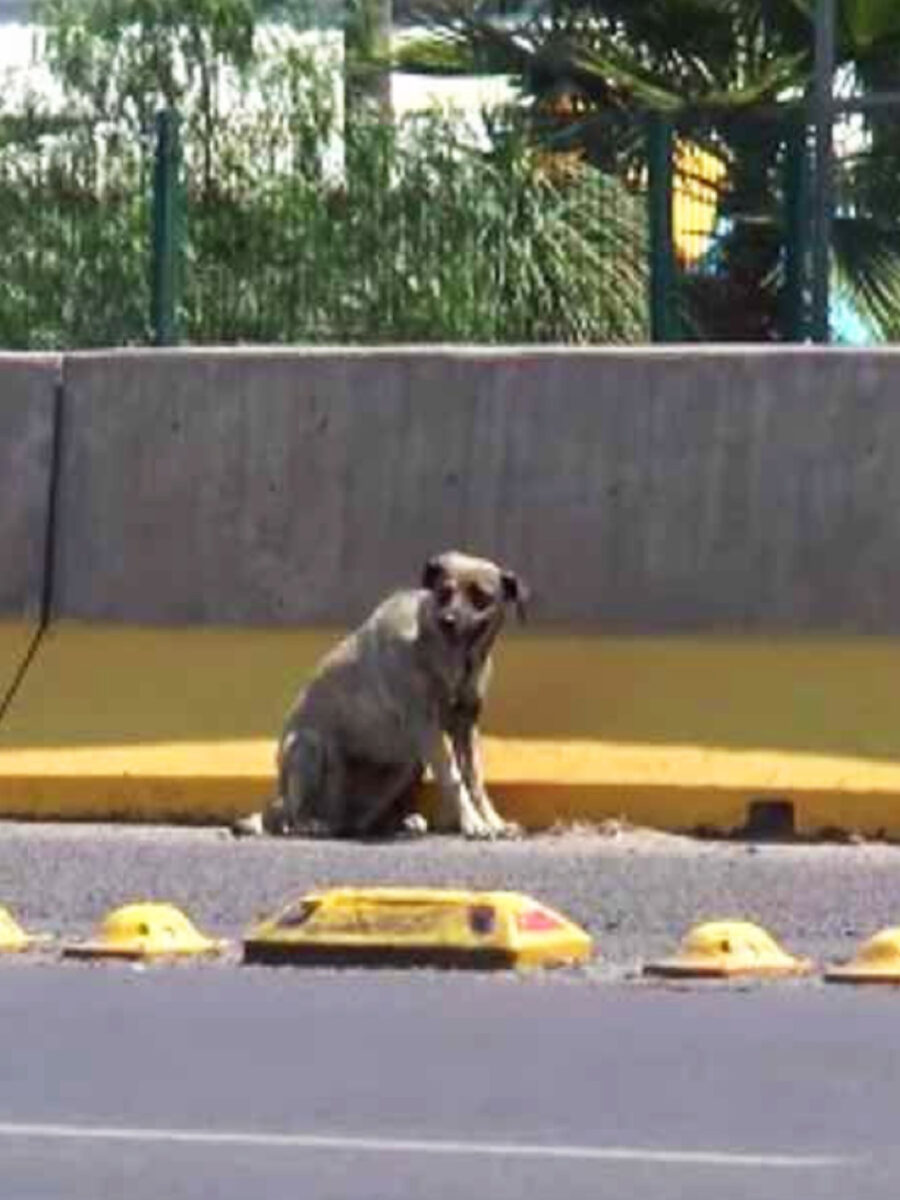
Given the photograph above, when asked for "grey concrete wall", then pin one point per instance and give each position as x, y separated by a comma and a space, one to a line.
27, 387
645, 490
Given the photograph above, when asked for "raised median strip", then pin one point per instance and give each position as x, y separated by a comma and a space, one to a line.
708, 535
685, 733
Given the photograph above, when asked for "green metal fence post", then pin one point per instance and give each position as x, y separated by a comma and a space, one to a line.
659, 203
822, 201
795, 317
165, 251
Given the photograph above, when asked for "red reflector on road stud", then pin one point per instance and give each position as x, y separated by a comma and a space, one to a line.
876, 961
538, 920
724, 949
417, 927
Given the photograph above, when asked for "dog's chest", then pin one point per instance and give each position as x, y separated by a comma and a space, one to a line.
461, 696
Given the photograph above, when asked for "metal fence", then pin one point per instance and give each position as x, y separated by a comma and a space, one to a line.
748, 262
74, 221
729, 234
706, 235
263, 241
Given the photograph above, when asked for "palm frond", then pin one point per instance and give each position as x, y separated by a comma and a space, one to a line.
867, 271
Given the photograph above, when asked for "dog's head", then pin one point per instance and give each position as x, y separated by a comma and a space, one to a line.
469, 597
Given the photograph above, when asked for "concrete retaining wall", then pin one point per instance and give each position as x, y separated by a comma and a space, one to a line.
27, 390
751, 496
636, 490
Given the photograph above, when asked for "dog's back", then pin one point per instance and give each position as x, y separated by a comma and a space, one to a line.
369, 685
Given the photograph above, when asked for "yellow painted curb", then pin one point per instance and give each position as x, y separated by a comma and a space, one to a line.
674, 732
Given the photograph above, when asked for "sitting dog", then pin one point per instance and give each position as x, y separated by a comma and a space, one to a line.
402, 692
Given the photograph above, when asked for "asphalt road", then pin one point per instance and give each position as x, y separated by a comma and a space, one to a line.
198, 1082
227, 1081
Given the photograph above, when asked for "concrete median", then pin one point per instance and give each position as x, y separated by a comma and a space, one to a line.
710, 536
120, 722
638, 491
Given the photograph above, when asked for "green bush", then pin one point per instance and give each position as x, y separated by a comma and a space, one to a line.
419, 237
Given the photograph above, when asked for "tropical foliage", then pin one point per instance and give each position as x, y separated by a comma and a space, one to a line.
731, 75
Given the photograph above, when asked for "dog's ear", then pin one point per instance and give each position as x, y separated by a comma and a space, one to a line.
432, 574
515, 592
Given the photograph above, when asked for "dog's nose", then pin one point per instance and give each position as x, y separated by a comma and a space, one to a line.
448, 621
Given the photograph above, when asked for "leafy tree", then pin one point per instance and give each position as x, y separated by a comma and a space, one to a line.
119, 61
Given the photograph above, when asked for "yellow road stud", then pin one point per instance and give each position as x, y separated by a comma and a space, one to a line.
13, 937
876, 961
384, 926
721, 949
145, 930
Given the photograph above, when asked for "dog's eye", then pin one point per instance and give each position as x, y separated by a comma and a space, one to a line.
445, 595
479, 598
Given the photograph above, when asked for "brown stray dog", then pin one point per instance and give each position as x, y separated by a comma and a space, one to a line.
402, 692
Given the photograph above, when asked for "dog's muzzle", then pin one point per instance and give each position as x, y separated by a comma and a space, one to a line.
460, 632
448, 624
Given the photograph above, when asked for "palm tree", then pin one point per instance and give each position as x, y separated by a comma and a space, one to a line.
866, 230
731, 76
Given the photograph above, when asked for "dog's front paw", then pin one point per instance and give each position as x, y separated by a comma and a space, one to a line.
510, 829
476, 829
500, 827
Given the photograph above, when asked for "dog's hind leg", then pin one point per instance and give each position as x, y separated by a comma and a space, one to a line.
310, 799
310, 788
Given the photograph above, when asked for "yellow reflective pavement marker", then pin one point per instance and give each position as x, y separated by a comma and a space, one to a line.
721, 949
145, 930
13, 937
876, 961
417, 927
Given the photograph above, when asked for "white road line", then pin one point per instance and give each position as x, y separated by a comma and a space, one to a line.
377, 1145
